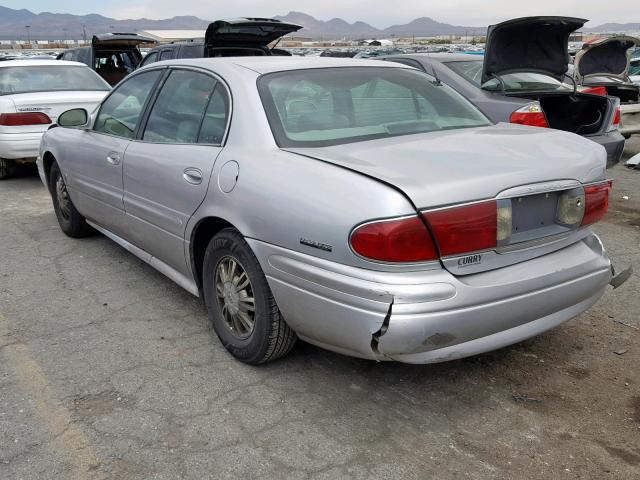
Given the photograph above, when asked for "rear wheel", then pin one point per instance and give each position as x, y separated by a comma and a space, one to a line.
241, 306
5, 169
71, 222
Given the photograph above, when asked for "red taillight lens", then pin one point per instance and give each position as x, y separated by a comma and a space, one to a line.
18, 119
615, 122
596, 202
531, 114
595, 91
402, 240
464, 229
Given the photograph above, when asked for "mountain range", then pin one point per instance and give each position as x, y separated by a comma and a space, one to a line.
23, 24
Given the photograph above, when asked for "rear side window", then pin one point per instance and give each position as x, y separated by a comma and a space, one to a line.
214, 124
120, 112
192, 51
166, 55
178, 112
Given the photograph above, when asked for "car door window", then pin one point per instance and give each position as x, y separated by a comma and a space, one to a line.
166, 55
214, 124
150, 58
178, 111
120, 112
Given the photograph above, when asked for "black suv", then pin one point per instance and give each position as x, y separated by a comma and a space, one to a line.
228, 38
112, 55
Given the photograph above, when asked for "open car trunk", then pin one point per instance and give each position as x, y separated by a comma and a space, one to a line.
626, 93
580, 113
244, 36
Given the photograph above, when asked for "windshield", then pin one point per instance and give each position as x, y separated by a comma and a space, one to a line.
333, 106
49, 78
472, 72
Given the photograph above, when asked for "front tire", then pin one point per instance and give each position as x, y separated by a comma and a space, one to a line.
240, 303
71, 222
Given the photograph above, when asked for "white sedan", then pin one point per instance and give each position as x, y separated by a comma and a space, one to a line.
32, 95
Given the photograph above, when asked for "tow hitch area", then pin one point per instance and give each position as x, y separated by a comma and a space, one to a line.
622, 277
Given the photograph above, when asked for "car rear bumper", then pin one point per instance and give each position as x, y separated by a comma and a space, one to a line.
629, 119
23, 146
613, 143
432, 316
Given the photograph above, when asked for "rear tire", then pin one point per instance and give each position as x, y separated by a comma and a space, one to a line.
71, 222
5, 169
240, 303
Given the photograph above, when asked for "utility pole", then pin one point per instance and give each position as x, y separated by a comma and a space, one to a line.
28, 34
84, 33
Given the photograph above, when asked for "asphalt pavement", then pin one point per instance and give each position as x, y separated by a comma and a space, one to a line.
108, 370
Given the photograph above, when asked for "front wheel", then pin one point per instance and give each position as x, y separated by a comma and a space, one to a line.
71, 222
240, 303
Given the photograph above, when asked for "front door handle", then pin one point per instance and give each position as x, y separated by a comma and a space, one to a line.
113, 158
192, 176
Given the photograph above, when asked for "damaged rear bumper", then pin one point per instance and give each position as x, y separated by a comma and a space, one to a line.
432, 316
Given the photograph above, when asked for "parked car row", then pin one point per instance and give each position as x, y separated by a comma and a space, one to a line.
373, 208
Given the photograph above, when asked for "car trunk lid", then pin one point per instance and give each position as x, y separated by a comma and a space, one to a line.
119, 40
527, 167
608, 57
246, 32
530, 44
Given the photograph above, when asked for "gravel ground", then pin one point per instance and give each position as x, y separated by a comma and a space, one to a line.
109, 370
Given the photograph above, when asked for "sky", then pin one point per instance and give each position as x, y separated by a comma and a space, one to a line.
379, 13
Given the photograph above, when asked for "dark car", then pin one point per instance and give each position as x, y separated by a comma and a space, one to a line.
112, 55
228, 38
522, 79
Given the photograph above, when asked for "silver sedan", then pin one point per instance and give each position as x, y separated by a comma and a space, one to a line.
361, 206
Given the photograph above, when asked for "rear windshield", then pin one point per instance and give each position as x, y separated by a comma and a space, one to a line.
49, 78
333, 106
529, 81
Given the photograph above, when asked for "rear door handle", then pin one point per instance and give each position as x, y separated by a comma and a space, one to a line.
192, 176
113, 158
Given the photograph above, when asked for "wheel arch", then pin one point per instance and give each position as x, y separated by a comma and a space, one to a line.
48, 160
202, 233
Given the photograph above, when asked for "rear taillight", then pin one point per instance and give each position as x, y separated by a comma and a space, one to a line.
19, 119
400, 240
464, 229
615, 121
595, 91
531, 114
596, 202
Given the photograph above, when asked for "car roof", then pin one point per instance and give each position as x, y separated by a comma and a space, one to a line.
269, 64
444, 57
34, 63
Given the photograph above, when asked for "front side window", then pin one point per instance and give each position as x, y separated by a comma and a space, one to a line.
120, 112
178, 112
529, 81
332, 106
166, 55
49, 78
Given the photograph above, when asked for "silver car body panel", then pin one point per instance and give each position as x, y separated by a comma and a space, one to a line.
332, 297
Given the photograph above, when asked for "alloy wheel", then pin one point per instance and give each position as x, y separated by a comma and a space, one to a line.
235, 297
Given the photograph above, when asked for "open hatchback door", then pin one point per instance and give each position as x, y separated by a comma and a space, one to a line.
245, 36
530, 44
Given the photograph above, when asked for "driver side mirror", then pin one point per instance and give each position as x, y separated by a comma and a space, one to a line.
74, 118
